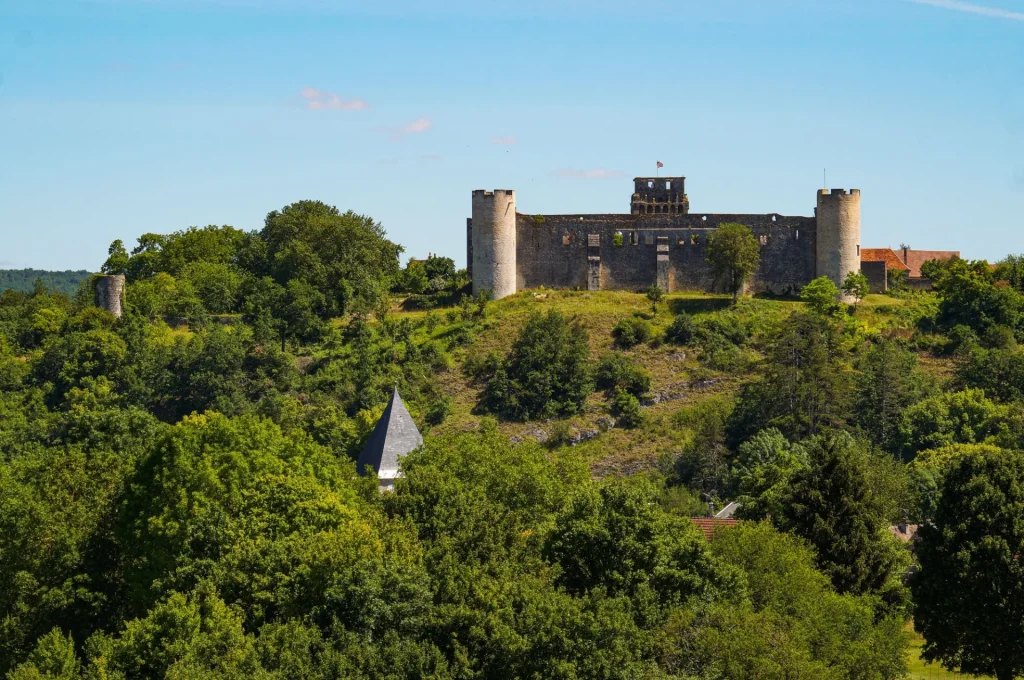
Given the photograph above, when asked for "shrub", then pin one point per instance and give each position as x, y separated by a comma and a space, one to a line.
439, 410
821, 295
481, 366
627, 409
546, 373
682, 330
962, 339
617, 371
631, 332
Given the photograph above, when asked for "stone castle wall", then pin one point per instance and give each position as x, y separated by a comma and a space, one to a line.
570, 251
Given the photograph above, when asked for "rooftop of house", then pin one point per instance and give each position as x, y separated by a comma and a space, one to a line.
887, 255
915, 258
709, 525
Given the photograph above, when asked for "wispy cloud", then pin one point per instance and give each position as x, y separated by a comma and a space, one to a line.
509, 140
418, 126
318, 100
597, 173
431, 157
971, 8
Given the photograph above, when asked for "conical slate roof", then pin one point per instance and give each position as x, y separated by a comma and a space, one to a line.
394, 436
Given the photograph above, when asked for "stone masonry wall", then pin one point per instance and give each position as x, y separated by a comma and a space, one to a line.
553, 250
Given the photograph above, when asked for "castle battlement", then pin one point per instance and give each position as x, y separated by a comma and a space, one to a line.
838, 192
483, 193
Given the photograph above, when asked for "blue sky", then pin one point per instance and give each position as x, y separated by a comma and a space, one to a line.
119, 117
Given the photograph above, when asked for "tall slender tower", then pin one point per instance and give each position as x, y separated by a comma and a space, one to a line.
494, 242
838, 245
109, 293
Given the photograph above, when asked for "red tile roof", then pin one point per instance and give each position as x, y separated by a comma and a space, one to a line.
915, 258
709, 525
887, 255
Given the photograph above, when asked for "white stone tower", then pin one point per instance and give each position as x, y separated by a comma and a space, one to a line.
494, 242
838, 244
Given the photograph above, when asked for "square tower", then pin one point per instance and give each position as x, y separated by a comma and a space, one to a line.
659, 195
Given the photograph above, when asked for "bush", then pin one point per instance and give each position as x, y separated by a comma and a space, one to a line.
481, 366
627, 409
631, 332
682, 330
546, 373
439, 410
617, 371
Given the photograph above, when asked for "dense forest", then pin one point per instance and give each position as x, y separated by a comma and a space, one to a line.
178, 497
24, 280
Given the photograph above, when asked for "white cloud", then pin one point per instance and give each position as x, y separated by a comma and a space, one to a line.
318, 100
415, 127
503, 140
597, 173
970, 8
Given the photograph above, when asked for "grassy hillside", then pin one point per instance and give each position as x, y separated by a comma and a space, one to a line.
680, 379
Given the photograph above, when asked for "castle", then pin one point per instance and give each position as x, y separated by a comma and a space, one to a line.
660, 242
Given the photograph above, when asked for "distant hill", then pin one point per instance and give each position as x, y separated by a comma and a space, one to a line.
24, 279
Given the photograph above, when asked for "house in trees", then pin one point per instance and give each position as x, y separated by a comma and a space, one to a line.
394, 436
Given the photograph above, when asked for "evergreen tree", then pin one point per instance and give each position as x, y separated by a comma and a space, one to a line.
833, 506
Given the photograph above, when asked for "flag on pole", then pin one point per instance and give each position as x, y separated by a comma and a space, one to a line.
660, 164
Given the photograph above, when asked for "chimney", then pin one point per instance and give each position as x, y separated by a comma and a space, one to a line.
711, 509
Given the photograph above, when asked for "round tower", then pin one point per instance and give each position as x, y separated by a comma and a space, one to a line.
838, 242
109, 293
494, 242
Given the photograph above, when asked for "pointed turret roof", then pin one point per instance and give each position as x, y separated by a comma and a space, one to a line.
394, 436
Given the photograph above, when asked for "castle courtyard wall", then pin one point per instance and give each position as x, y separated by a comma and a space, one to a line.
570, 251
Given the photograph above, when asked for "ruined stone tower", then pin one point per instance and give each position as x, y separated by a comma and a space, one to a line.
494, 242
838, 247
109, 293
659, 195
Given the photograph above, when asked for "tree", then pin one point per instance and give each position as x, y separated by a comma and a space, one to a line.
762, 472
546, 373
655, 294
345, 257
733, 251
967, 417
117, 260
833, 506
970, 586
616, 537
888, 382
856, 285
805, 384
821, 295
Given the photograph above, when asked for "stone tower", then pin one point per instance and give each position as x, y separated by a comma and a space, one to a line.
109, 293
659, 195
494, 242
838, 245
